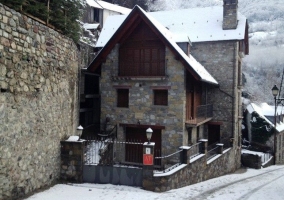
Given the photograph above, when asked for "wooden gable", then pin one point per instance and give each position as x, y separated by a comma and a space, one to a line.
126, 29
142, 53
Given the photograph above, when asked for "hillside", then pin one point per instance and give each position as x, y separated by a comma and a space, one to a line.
263, 66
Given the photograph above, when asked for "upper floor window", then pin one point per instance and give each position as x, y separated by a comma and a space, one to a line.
142, 54
161, 97
123, 98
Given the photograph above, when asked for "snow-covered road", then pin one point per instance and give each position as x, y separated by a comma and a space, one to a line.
250, 184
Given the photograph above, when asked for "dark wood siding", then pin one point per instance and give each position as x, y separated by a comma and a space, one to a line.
193, 97
142, 54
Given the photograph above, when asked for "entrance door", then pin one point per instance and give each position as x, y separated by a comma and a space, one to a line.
139, 135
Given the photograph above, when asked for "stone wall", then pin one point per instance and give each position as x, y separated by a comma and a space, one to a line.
223, 63
72, 160
38, 102
195, 172
251, 161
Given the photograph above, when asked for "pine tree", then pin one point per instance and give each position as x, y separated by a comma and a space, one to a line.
261, 130
62, 14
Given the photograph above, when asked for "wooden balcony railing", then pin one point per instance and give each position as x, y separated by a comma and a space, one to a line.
203, 113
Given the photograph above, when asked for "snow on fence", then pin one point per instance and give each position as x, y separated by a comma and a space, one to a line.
111, 152
194, 150
170, 161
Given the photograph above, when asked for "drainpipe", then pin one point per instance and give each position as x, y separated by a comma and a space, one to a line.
235, 95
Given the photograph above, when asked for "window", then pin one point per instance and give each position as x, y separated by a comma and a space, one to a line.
96, 14
122, 98
161, 97
142, 54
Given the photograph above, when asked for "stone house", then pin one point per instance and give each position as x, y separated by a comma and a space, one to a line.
177, 72
93, 20
259, 122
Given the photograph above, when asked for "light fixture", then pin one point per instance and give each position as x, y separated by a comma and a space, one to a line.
149, 132
275, 90
80, 130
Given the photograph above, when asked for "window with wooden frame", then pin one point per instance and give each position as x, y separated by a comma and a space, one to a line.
123, 98
160, 97
142, 54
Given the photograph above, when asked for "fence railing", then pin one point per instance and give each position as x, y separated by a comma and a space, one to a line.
194, 150
265, 157
203, 112
113, 152
169, 162
130, 153
212, 152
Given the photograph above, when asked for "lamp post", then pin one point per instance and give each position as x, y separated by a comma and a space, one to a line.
149, 132
80, 130
275, 91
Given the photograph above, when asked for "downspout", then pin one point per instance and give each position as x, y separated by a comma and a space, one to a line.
235, 95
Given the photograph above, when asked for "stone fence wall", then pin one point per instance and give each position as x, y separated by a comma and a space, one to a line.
251, 161
38, 102
194, 172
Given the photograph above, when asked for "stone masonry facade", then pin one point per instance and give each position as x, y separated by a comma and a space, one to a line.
141, 106
221, 59
38, 102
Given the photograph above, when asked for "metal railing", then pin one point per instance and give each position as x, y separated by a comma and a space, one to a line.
169, 162
113, 152
212, 152
203, 112
265, 157
194, 150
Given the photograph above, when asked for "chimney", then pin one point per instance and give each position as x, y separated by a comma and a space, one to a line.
230, 14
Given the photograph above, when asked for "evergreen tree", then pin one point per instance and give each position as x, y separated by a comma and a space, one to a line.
15, 4
62, 14
261, 130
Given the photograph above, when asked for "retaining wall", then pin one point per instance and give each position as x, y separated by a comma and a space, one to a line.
38, 102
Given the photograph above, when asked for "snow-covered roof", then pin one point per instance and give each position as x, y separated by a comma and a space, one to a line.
195, 24
196, 66
264, 110
91, 26
108, 6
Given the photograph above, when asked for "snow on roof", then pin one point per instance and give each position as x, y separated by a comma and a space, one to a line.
196, 66
196, 24
108, 6
91, 26
264, 110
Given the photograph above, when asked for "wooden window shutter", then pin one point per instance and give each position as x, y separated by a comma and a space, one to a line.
123, 98
161, 97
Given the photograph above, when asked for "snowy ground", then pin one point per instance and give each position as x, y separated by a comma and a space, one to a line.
250, 184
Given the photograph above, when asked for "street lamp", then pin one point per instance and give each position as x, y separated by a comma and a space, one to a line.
149, 132
80, 130
275, 91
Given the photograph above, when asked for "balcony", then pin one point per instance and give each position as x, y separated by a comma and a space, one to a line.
204, 113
